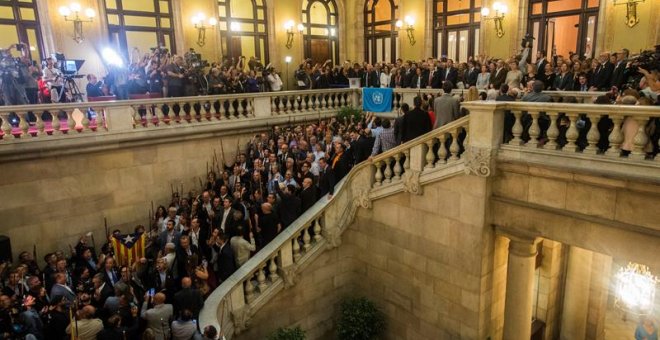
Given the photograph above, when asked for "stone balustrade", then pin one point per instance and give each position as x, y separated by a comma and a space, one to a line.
36, 122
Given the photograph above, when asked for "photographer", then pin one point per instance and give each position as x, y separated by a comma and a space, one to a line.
13, 75
175, 77
154, 79
274, 80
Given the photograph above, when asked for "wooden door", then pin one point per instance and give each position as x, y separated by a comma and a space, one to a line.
320, 50
235, 50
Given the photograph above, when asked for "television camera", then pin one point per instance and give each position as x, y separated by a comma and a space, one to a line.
69, 69
195, 66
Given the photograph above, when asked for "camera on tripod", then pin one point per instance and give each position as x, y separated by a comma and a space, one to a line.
159, 51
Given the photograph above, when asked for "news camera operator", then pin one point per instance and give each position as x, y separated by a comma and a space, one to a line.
54, 79
14, 75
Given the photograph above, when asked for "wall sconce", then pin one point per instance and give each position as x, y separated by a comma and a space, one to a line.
200, 25
500, 10
288, 26
631, 10
74, 9
410, 28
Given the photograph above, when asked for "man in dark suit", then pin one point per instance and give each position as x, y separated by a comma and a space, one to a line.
499, 77
471, 74
290, 206
416, 122
398, 123
102, 290
327, 181
370, 78
341, 161
540, 65
308, 194
503, 95
619, 73
187, 257
360, 147
450, 73
110, 272
607, 69
408, 75
188, 298
162, 280
169, 235
60, 288
435, 77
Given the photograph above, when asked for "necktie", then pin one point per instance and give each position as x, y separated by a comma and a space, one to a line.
430, 78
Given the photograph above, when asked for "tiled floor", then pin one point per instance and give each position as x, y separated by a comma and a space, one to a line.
616, 328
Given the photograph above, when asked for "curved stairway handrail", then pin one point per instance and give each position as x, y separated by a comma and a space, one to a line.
406, 167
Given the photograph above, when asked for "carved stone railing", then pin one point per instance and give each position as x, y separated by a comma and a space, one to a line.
557, 134
34, 122
278, 265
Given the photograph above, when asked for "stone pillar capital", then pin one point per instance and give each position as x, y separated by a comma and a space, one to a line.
521, 243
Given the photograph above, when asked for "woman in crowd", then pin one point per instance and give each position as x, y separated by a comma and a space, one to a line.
483, 79
514, 76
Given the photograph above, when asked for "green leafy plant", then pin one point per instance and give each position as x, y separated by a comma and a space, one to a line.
360, 320
285, 333
347, 112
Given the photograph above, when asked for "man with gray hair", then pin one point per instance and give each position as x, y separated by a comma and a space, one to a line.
537, 94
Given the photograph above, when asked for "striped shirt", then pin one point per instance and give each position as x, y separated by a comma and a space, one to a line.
385, 140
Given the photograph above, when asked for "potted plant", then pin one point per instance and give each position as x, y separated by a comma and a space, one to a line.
360, 320
347, 113
286, 333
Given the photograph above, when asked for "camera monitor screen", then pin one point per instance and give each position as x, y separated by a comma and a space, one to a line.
70, 66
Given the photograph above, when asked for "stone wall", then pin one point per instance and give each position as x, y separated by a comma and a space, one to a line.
51, 201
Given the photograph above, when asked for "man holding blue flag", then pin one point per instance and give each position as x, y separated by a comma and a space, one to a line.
375, 99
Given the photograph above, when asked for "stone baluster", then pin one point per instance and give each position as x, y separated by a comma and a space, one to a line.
70, 123
100, 116
150, 116
517, 129
272, 270
593, 135
160, 117
466, 141
317, 230
84, 121
296, 249
23, 124
388, 171
137, 119
406, 164
325, 101
39, 124
249, 290
289, 104
6, 127
430, 157
553, 131
615, 138
55, 123
333, 97
317, 103
398, 169
454, 148
379, 174
249, 107
261, 278
273, 105
534, 130
306, 239
571, 134
442, 149
640, 140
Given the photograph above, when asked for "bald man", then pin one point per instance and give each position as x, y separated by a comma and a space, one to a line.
159, 316
87, 326
188, 298
308, 194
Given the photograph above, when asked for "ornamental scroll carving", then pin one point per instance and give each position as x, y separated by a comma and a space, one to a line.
478, 161
241, 319
411, 182
289, 275
361, 199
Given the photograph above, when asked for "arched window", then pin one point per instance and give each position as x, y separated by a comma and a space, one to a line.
321, 30
19, 22
563, 26
141, 24
456, 28
380, 33
244, 29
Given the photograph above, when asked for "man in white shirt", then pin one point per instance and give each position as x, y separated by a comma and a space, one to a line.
274, 80
226, 213
171, 215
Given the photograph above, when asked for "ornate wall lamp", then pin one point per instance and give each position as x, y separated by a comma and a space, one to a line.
500, 10
288, 26
74, 9
631, 10
410, 28
200, 23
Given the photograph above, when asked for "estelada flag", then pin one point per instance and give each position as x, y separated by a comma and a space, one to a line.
128, 248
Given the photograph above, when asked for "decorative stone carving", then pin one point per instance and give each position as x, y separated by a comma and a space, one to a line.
290, 275
362, 199
241, 319
478, 161
411, 182
333, 236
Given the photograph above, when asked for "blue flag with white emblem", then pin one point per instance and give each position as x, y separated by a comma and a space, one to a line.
376, 99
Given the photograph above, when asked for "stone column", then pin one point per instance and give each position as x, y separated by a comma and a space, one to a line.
519, 288
576, 296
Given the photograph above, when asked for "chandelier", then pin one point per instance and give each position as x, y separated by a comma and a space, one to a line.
635, 289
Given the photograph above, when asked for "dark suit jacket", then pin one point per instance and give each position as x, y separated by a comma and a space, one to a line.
407, 78
360, 149
162, 238
189, 298
564, 83
452, 76
169, 288
370, 81
498, 78
540, 70
308, 198
226, 261
342, 166
618, 75
106, 292
608, 70
289, 209
326, 181
436, 79
471, 77
415, 123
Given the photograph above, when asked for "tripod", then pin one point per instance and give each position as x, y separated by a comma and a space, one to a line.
70, 92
